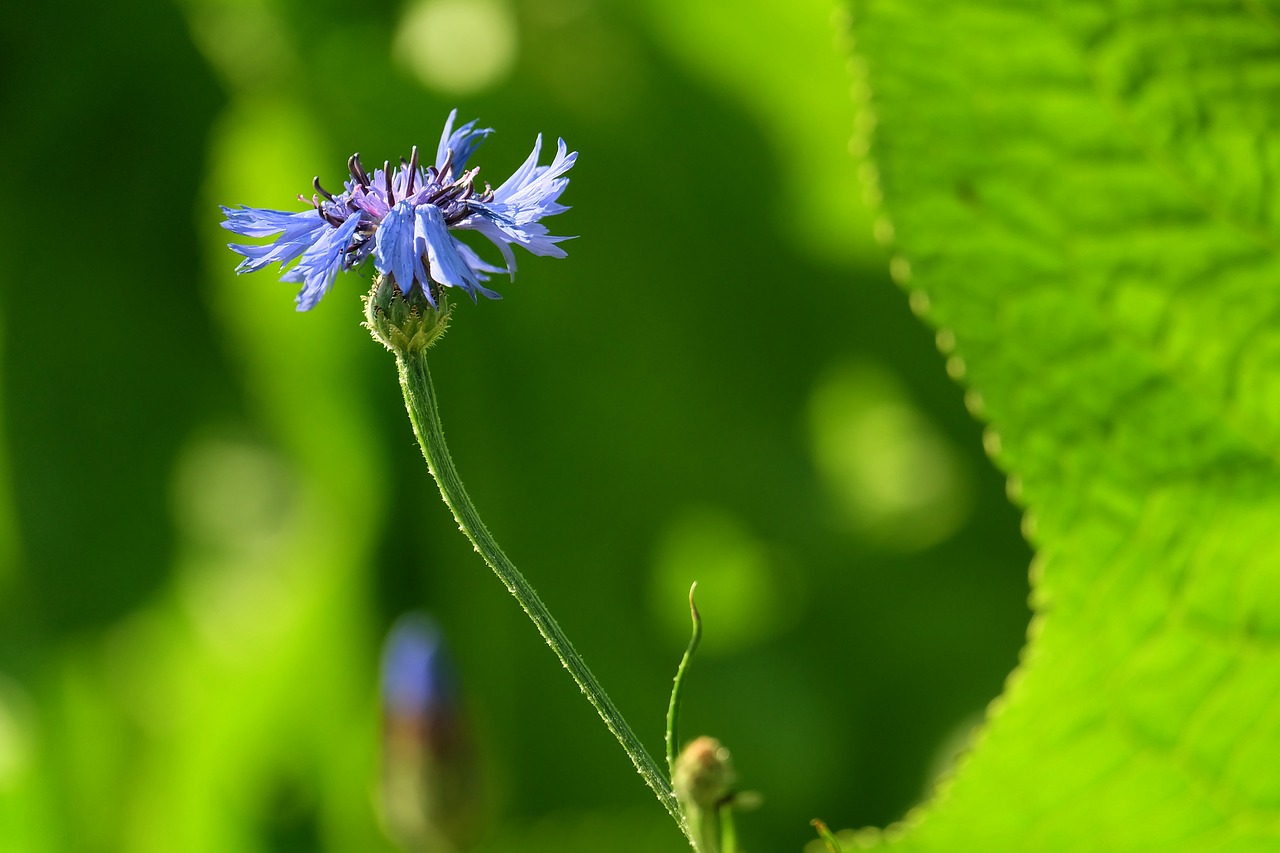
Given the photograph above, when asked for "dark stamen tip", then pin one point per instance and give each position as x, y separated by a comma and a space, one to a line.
357, 170
413, 169
315, 182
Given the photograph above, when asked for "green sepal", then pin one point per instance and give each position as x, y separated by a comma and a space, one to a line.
404, 324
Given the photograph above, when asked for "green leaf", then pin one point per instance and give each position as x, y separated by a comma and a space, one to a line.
1081, 198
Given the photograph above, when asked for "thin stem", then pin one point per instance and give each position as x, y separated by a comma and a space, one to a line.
420, 399
677, 687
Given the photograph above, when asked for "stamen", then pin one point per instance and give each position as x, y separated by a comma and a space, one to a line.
445, 195
357, 170
413, 170
386, 176
446, 168
326, 215
315, 182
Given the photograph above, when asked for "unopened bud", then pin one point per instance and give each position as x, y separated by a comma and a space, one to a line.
704, 775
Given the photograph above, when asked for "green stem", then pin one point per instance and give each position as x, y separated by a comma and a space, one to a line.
420, 399
677, 688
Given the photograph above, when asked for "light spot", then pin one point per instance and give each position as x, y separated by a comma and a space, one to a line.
883, 230
865, 838
247, 43
842, 23
1035, 572
741, 594
945, 341
16, 746
974, 403
236, 507
1013, 488
895, 477
231, 495
991, 442
956, 367
459, 47
918, 301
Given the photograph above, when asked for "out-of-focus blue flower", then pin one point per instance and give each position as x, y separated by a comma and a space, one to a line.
417, 677
405, 218
431, 784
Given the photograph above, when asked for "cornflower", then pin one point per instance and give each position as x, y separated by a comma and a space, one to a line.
405, 218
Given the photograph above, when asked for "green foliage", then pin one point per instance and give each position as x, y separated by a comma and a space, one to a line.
212, 508
1084, 204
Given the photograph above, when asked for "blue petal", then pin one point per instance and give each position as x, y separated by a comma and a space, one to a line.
478, 265
489, 230
262, 222
463, 142
397, 253
448, 266
321, 263
531, 192
522, 175
298, 231
501, 230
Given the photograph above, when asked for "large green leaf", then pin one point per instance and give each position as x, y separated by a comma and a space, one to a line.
1082, 202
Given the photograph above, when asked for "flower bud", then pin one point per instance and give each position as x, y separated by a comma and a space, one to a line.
401, 323
704, 775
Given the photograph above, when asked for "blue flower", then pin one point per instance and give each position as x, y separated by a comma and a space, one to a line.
406, 219
417, 675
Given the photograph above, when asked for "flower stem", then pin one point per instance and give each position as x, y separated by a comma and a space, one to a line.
677, 688
420, 399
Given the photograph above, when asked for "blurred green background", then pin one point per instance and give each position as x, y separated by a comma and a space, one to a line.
212, 508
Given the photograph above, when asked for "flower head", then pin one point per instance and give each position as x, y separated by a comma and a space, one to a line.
405, 218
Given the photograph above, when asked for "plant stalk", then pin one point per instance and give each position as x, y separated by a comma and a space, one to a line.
420, 399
